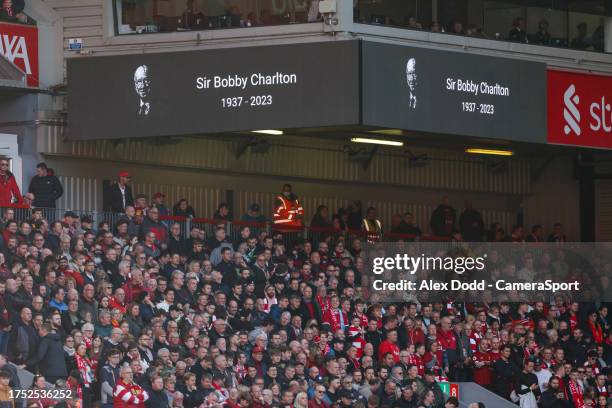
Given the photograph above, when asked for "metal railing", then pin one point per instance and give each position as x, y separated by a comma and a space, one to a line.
287, 233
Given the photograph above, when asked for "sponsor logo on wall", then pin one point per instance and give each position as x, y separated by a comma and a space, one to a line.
19, 45
579, 109
571, 112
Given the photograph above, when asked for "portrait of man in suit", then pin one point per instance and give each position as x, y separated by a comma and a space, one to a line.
142, 86
411, 80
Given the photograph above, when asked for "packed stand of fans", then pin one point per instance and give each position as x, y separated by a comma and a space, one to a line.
133, 314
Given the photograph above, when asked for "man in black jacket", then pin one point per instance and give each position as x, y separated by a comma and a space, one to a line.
50, 355
504, 373
120, 194
227, 267
576, 348
23, 340
554, 397
443, 219
527, 381
157, 395
109, 375
45, 188
471, 224
430, 384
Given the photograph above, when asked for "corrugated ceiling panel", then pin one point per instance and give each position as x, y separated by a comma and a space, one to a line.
603, 210
310, 158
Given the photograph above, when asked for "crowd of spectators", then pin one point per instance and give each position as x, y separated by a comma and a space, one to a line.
582, 40
232, 14
140, 314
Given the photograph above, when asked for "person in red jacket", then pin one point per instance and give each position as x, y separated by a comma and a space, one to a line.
389, 346
128, 394
483, 374
288, 210
134, 287
335, 317
9, 190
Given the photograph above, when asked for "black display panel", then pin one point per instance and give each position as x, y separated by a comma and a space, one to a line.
221, 90
453, 93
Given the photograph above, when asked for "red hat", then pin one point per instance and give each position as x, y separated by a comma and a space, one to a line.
158, 195
258, 349
124, 174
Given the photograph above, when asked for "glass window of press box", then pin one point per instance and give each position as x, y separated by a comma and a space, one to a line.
154, 16
576, 24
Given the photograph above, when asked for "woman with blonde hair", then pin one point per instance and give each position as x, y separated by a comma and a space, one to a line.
301, 400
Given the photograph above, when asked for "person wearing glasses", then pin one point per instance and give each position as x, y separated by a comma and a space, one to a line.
109, 376
9, 190
127, 393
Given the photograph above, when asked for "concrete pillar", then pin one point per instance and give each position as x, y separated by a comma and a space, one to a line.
608, 34
434, 10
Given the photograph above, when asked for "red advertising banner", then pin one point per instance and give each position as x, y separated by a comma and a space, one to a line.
454, 390
579, 109
19, 45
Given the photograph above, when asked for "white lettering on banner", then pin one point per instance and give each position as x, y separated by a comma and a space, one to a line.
496, 89
242, 82
469, 86
232, 81
601, 113
600, 110
14, 47
276, 79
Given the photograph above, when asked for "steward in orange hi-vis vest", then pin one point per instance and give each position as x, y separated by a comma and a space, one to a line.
288, 210
372, 226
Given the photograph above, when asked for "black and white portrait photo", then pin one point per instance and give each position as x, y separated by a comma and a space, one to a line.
142, 86
411, 80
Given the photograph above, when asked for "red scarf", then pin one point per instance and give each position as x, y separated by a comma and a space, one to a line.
573, 322
415, 359
325, 349
363, 319
603, 391
597, 332
84, 366
87, 342
324, 303
576, 394
447, 340
474, 341
355, 362
334, 316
